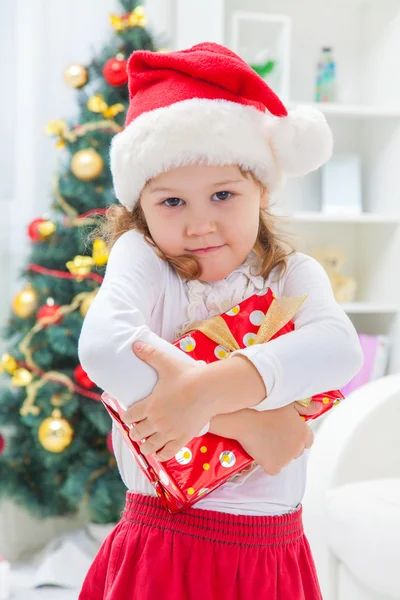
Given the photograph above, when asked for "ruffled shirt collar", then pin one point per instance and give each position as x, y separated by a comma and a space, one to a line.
209, 299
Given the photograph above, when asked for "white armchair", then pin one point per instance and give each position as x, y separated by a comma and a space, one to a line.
352, 501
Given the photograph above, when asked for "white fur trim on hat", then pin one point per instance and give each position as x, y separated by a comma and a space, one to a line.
216, 132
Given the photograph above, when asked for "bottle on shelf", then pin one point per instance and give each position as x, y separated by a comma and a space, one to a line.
325, 90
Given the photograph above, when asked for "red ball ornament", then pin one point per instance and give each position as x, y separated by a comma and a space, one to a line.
109, 443
40, 230
3, 443
114, 71
33, 230
82, 378
49, 310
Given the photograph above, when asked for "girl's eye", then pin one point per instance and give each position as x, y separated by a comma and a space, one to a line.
172, 202
222, 196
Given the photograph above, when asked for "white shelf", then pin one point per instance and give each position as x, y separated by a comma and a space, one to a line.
366, 308
359, 111
320, 217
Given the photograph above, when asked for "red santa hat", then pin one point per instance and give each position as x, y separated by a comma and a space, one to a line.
206, 105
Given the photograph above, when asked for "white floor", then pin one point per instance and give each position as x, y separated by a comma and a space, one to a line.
22, 587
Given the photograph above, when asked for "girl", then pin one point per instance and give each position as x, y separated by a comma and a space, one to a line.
206, 142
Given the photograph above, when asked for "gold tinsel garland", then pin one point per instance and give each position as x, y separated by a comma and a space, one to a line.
60, 128
28, 406
74, 219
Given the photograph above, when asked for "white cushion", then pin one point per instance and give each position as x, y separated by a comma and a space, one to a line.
363, 531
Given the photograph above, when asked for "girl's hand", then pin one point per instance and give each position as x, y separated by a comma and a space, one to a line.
274, 437
175, 411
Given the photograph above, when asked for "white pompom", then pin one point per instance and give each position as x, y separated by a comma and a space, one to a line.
302, 142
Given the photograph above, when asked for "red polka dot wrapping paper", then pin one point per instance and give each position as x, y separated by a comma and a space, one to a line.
209, 461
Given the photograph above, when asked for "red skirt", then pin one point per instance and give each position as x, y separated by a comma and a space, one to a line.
201, 555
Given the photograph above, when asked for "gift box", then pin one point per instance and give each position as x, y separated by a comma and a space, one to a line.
208, 461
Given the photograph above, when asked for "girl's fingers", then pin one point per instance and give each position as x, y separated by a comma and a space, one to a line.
169, 451
135, 413
309, 442
153, 444
142, 430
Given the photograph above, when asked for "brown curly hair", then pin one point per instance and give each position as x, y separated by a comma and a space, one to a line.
272, 246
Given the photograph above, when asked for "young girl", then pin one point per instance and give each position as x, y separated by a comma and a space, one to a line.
206, 143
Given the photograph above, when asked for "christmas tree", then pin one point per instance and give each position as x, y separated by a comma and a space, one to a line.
55, 440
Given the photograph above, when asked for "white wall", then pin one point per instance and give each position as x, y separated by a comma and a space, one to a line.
7, 127
40, 39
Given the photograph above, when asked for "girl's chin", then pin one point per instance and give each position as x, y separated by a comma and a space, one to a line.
211, 275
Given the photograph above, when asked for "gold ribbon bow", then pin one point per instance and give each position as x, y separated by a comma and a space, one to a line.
137, 18
97, 104
278, 315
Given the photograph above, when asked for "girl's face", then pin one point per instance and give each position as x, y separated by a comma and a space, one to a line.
209, 212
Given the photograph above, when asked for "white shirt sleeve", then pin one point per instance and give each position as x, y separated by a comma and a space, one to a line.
323, 352
120, 315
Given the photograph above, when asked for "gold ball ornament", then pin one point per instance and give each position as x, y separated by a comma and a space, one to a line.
55, 433
21, 378
8, 364
76, 76
87, 164
87, 302
25, 303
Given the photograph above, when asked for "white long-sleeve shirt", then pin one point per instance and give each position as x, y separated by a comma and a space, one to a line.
143, 298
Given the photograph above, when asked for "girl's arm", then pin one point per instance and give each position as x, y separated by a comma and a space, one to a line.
322, 354
180, 404
273, 438
119, 316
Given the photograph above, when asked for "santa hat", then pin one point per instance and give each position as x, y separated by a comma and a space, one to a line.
206, 105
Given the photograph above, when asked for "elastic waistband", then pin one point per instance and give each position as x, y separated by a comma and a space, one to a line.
219, 527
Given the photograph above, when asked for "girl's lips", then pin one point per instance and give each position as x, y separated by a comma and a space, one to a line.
207, 250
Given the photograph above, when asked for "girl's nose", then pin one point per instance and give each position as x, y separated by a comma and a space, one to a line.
200, 227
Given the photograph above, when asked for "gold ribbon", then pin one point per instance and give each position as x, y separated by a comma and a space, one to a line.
278, 315
97, 104
218, 331
137, 18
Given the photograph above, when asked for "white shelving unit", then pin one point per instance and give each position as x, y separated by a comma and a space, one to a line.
352, 111
316, 216
363, 308
365, 37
